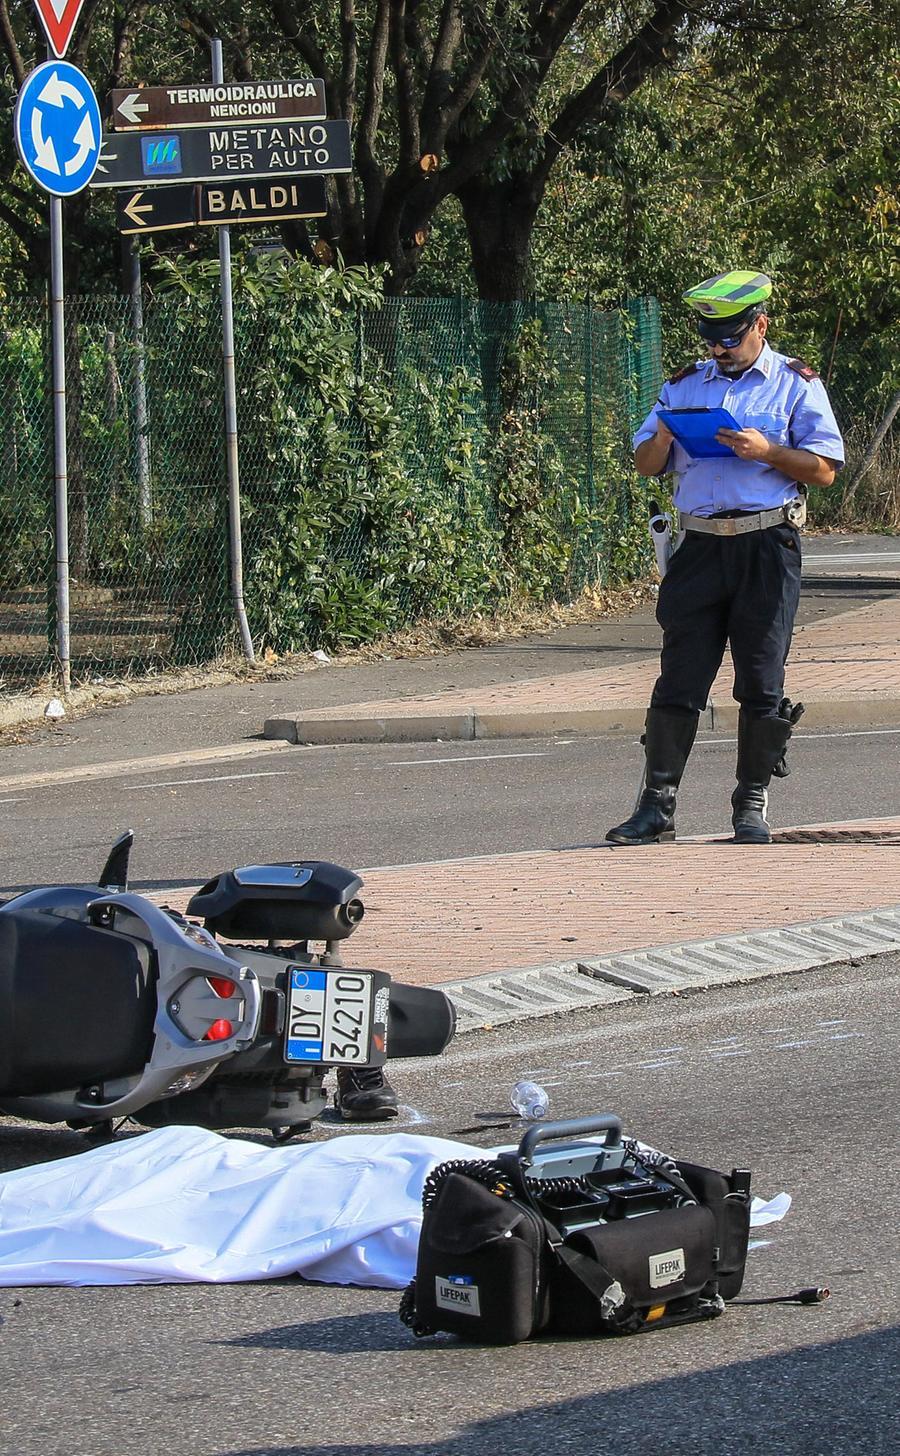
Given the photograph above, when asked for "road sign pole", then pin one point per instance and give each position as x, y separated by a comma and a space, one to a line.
60, 459
231, 432
132, 261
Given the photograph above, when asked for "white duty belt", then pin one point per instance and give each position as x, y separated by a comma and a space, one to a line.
794, 513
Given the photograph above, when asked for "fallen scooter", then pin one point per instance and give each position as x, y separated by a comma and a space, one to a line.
112, 1007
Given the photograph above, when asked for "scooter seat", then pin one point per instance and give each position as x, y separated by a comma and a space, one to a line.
77, 1003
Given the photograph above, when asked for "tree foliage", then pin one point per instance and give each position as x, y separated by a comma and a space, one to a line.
514, 118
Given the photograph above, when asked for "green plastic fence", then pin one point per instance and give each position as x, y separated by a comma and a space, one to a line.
389, 504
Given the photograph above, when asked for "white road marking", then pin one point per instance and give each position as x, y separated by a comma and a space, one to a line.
273, 773
119, 768
785, 1046
12, 801
801, 737
461, 758
854, 556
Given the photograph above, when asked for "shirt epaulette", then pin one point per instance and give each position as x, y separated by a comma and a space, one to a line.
682, 374
805, 371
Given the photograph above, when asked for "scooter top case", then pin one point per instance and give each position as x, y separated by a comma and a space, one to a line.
304, 900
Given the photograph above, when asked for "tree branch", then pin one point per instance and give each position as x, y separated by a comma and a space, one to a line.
123, 42
418, 39
84, 28
407, 113
302, 42
10, 45
645, 52
370, 172
26, 233
350, 60
556, 19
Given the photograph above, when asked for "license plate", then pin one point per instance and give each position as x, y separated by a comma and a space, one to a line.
329, 1017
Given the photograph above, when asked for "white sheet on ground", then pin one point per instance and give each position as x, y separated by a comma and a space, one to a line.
185, 1205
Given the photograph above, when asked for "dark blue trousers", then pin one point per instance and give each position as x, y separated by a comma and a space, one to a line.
740, 591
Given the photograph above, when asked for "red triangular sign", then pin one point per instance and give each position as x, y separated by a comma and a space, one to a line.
59, 18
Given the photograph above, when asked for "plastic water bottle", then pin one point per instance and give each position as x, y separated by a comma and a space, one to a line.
529, 1100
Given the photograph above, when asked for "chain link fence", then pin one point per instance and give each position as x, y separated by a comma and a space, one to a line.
423, 459
376, 456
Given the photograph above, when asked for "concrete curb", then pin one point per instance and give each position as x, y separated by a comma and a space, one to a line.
474, 724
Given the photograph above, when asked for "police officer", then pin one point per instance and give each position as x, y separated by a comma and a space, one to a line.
735, 576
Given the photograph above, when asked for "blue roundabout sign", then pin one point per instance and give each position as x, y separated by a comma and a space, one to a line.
58, 131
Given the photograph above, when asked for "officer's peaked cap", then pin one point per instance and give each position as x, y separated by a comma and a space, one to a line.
728, 301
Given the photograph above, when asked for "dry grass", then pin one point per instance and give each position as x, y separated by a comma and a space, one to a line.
873, 504
22, 714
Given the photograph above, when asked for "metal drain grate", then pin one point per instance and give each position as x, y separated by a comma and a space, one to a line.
543, 990
836, 836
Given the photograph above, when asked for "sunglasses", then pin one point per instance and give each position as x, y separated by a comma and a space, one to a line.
732, 341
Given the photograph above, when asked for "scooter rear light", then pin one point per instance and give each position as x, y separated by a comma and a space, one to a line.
222, 986
220, 1030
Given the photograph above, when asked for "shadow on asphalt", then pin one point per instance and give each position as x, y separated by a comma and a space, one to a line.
824, 1397
347, 1334
882, 586
140, 887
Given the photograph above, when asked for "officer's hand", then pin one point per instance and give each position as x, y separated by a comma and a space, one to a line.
663, 433
746, 444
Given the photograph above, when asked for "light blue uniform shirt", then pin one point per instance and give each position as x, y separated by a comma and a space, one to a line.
769, 397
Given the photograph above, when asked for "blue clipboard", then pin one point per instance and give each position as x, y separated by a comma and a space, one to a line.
695, 430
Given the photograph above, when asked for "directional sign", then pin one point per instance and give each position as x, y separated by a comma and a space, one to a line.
163, 209
156, 209
59, 18
226, 153
205, 105
266, 201
57, 127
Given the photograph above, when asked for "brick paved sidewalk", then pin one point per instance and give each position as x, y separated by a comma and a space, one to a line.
454, 919
846, 670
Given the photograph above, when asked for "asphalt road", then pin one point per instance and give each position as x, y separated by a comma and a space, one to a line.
409, 803
795, 1077
397, 804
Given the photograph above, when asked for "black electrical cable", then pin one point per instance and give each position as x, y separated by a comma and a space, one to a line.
813, 1295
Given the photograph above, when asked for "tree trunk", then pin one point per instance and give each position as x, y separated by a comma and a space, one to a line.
499, 219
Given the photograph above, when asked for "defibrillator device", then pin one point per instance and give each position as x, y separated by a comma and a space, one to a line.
572, 1234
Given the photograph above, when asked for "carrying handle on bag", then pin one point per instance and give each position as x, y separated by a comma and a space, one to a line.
578, 1127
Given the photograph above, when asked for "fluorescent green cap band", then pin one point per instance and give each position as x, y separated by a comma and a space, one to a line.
729, 293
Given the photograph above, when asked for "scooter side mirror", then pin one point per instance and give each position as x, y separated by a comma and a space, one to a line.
114, 874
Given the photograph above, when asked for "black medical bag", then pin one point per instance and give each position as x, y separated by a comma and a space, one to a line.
577, 1238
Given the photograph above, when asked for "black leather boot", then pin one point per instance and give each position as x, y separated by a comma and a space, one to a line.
761, 747
668, 739
364, 1095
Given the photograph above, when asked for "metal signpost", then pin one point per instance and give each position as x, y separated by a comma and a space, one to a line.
231, 434
57, 129
223, 154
